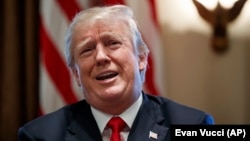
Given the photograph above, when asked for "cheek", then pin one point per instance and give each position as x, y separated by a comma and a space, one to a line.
128, 61
85, 67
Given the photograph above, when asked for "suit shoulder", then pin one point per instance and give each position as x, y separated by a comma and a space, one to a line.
47, 124
178, 113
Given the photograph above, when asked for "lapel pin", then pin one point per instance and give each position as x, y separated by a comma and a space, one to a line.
153, 135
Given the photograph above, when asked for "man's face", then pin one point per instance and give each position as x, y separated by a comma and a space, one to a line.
106, 66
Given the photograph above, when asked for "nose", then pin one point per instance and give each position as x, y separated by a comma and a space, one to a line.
102, 57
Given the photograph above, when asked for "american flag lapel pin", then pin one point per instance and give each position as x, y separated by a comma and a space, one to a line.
153, 135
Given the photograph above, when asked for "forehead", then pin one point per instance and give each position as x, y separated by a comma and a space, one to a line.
99, 26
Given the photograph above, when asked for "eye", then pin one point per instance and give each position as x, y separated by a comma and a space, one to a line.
87, 50
113, 43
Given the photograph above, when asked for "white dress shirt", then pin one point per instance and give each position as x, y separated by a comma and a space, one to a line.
128, 116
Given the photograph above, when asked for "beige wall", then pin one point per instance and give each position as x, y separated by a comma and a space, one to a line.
197, 76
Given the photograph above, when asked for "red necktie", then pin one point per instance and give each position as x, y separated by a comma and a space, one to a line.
117, 125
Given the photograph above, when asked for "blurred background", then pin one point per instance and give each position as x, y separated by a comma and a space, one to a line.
200, 56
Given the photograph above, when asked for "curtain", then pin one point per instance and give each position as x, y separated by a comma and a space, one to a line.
19, 65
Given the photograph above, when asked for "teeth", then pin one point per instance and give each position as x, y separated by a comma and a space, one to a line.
106, 75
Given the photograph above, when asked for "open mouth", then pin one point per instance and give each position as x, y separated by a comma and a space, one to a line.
107, 75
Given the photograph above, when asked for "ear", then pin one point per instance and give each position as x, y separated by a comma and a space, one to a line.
142, 61
76, 75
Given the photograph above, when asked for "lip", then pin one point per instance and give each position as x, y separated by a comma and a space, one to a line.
106, 80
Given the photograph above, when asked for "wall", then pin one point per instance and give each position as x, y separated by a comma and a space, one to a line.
196, 75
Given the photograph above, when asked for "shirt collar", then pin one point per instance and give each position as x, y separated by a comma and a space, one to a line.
128, 116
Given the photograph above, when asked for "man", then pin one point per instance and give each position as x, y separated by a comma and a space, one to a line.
108, 59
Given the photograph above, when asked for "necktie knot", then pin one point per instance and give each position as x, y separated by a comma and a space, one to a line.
117, 125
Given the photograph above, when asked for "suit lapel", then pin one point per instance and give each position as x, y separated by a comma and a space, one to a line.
149, 123
83, 125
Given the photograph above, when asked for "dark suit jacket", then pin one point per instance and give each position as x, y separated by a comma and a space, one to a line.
76, 123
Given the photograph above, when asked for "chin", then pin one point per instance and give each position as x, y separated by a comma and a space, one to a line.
112, 93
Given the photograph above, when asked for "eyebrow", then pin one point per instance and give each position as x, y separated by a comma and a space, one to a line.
112, 35
84, 40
